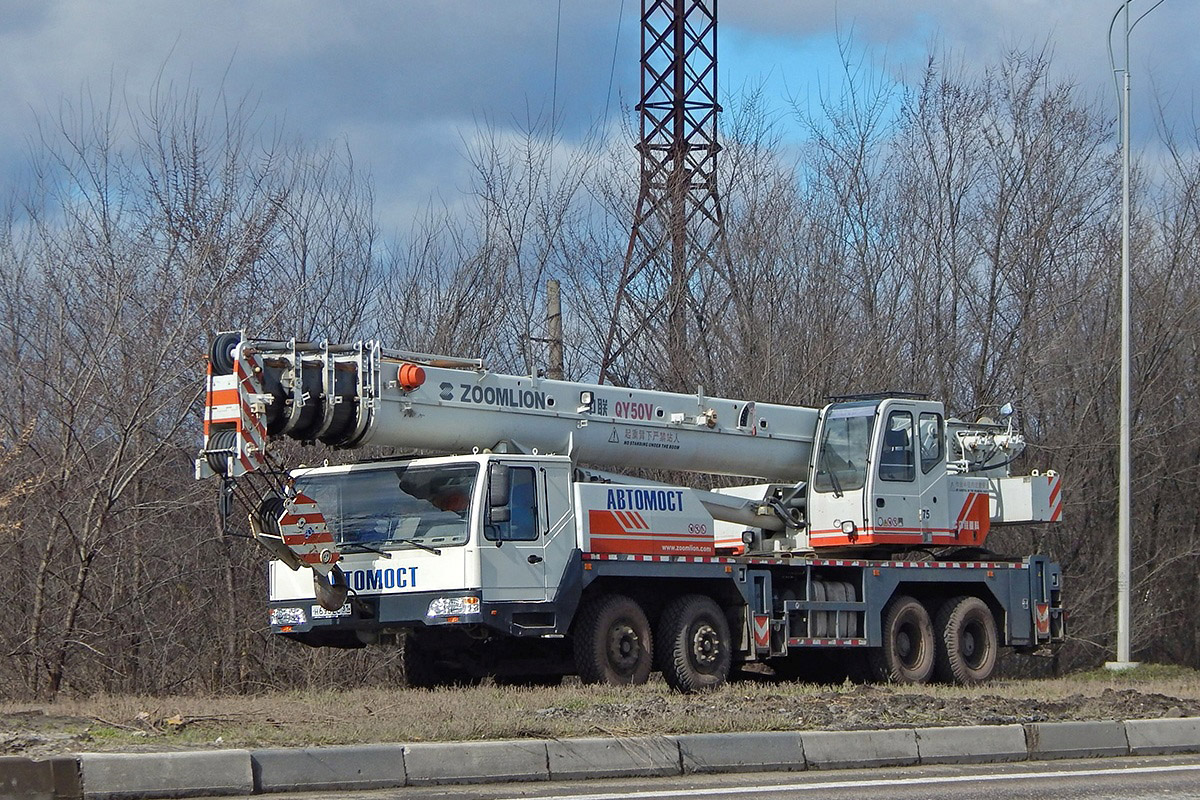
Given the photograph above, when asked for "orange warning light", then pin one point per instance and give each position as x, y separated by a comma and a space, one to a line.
410, 376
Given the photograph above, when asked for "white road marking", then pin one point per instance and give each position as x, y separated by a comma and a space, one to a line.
825, 786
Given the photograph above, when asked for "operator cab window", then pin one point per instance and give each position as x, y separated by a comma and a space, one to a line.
897, 462
929, 428
842, 452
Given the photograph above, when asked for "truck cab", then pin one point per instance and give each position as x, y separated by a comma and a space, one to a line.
482, 539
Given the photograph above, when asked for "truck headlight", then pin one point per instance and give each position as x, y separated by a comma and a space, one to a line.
453, 607
288, 616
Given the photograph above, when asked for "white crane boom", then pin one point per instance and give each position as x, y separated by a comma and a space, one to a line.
364, 394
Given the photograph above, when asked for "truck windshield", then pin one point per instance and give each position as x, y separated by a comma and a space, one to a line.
383, 506
842, 453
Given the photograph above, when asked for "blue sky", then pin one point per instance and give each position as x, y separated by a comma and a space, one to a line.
405, 82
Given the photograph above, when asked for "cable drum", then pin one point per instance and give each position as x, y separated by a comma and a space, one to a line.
308, 422
343, 416
276, 410
268, 512
221, 445
220, 355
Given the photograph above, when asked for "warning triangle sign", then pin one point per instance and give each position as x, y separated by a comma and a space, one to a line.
613, 437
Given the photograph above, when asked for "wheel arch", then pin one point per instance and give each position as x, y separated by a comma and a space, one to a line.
933, 594
653, 594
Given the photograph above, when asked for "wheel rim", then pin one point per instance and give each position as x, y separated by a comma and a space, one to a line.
972, 645
907, 647
624, 647
968, 645
706, 647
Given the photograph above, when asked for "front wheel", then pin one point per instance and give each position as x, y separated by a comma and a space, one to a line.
612, 642
693, 646
907, 654
967, 642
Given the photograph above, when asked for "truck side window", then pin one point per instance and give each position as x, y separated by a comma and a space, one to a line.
929, 430
522, 525
897, 462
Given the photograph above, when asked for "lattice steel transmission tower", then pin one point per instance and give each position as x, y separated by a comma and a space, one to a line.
677, 222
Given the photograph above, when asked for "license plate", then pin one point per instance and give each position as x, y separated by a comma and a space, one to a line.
320, 612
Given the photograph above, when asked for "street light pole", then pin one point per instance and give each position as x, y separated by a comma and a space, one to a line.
1124, 495
1124, 532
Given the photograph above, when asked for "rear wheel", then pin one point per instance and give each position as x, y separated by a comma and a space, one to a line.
693, 647
967, 642
907, 654
612, 641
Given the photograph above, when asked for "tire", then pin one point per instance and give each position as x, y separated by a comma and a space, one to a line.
424, 670
693, 644
820, 619
907, 654
419, 670
967, 641
612, 642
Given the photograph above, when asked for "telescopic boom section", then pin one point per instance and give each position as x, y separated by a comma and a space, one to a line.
364, 394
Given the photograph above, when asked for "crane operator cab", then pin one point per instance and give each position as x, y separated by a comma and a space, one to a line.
880, 476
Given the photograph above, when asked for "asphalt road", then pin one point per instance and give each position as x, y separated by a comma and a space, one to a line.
1095, 779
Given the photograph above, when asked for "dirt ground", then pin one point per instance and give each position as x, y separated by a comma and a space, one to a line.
494, 712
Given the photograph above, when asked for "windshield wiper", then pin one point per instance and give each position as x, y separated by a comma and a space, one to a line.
366, 547
427, 548
833, 478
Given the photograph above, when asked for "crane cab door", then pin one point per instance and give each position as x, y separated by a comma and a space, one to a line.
523, 557
894, 499
906, 491
841, 465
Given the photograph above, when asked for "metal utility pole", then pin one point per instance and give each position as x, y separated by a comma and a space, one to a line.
1124, 494
677, 221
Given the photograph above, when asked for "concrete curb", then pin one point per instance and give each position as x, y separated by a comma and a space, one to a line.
741, 752
109, 776
896, 747
45, 779
343, 767
1149, 737
98, 776
476, 762
976, 744
622, 757
1076, 739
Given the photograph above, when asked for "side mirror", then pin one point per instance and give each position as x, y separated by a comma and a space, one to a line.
498, 491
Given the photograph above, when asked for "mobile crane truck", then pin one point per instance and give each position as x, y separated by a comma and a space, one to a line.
514, 556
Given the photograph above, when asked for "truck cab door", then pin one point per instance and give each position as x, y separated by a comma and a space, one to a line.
837, 512
522, 558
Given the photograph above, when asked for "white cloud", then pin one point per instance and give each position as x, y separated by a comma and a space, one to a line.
399, 80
